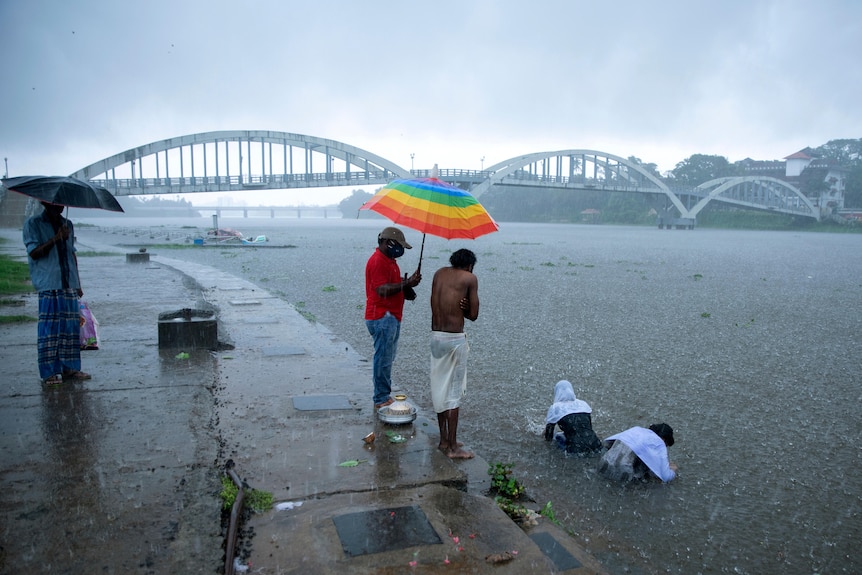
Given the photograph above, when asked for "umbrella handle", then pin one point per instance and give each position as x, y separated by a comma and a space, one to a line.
421, 251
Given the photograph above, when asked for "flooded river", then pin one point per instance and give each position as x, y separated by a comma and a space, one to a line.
747, 343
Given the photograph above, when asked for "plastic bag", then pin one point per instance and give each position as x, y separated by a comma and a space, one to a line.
89, 328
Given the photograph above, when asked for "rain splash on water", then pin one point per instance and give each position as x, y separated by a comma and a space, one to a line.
745, 342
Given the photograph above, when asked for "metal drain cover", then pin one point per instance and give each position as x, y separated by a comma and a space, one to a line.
381, 530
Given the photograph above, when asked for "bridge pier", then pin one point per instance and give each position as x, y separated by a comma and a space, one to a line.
665, 222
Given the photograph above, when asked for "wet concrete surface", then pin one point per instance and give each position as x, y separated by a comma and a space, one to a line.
122, 473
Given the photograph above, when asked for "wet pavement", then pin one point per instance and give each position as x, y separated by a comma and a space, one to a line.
122, 473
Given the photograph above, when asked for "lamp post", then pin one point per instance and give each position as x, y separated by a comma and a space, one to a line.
483, 163
6, 161
412, 155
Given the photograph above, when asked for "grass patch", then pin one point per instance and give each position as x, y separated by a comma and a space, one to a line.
509, 493
14, 276
503, 482
548, 513
256, 500
6, 319
300, 307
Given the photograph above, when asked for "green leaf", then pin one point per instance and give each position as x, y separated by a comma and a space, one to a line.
350, 463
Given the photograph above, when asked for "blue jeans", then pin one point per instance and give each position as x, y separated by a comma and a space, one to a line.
385, 332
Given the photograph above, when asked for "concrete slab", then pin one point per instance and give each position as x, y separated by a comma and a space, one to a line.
281, 351
321, 402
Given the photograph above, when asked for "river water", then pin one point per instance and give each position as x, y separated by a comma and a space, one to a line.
746, 342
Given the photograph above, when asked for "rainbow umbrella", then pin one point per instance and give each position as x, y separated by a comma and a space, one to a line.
432, 206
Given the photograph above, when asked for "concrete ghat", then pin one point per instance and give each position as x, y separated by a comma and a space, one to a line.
160, 429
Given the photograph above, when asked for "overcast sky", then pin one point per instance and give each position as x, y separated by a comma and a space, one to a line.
451, 81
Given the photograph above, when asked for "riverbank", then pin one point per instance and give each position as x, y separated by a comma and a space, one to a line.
121, 473
738, 339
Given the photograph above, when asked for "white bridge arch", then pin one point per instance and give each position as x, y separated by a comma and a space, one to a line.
255, 159
239, 160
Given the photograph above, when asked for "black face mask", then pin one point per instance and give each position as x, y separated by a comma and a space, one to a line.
394, 250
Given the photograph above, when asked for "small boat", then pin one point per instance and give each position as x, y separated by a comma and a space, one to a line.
224, 234
255, 240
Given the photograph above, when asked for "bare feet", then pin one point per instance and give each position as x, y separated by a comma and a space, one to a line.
459, 453
444, 445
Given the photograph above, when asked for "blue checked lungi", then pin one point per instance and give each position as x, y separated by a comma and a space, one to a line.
59, 329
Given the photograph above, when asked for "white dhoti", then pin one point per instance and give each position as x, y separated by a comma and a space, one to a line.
448, 369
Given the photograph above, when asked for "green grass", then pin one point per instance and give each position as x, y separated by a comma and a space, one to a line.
14, 279
256, 500
14, 276
5, 319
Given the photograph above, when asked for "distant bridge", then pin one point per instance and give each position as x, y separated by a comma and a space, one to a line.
236, 161
271, 211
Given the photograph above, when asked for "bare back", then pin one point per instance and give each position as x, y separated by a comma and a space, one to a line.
449, 287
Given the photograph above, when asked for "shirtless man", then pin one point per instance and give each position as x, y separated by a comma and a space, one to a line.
454, 296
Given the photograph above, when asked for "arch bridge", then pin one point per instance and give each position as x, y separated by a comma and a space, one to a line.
243, 160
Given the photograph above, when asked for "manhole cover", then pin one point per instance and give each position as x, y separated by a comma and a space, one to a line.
554, 551
382, 530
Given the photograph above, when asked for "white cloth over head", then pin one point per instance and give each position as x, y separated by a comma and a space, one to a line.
650, 448
565, 403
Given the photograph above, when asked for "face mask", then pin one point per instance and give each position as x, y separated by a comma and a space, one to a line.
394, 250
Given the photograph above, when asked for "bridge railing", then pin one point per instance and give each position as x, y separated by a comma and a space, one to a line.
244, 181
609, 184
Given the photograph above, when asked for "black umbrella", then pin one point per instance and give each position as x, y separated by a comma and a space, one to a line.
64, 191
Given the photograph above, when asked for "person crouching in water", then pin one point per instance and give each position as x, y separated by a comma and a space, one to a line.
639, 454
572, 415
454, 296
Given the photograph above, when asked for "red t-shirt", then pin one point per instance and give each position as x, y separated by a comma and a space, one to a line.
381, 269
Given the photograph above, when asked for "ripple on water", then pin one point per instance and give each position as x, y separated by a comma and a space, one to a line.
743, 341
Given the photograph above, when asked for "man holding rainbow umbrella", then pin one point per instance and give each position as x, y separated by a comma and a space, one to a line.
430, 205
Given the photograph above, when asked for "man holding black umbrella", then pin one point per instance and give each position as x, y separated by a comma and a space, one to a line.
50, 242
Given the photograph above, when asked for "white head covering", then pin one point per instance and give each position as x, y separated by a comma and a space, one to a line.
649, 447
565, 403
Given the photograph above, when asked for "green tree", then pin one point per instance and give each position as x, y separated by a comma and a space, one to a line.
350, 205
853, 188
623, 208
701, 168
847, 153
651, 168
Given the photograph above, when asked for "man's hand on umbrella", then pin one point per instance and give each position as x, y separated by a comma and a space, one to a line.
414, 280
